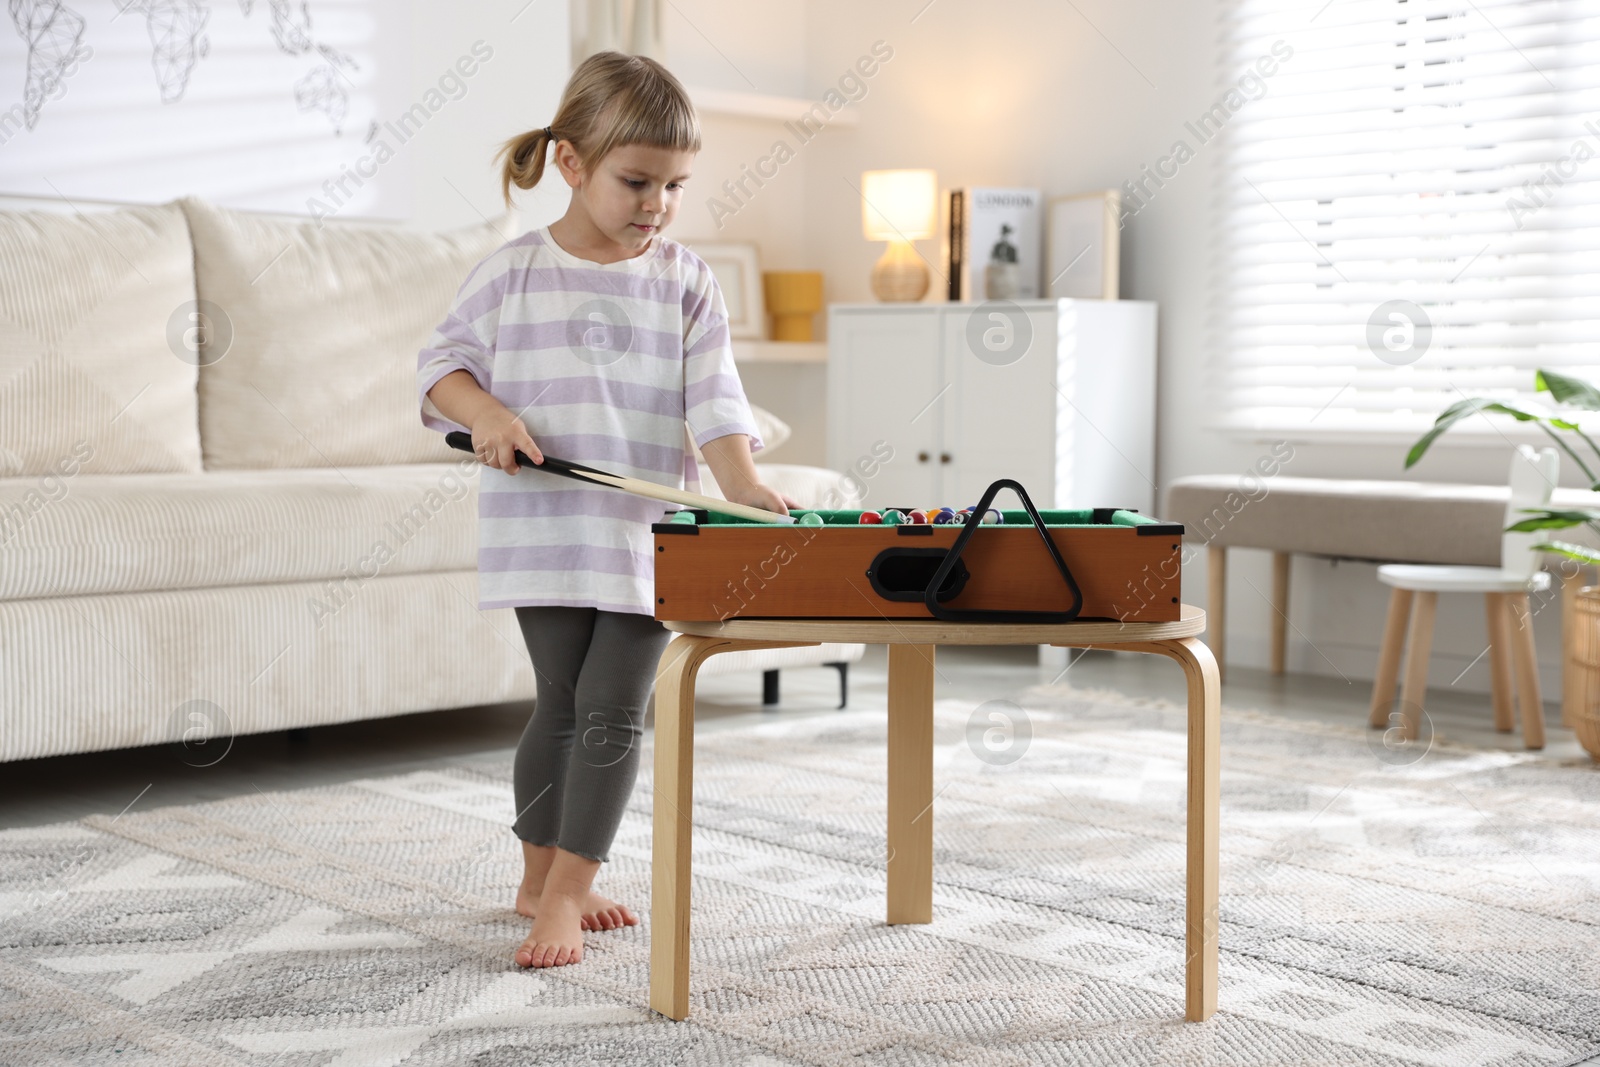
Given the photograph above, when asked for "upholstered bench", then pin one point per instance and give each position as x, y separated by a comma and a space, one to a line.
1376, 521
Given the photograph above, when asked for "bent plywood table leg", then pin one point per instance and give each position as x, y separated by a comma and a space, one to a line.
1205, 758
673, 803
910, 784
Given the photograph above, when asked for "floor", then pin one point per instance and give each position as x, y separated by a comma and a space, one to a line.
34, 792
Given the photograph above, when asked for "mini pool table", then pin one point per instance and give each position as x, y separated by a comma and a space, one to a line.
1106, 564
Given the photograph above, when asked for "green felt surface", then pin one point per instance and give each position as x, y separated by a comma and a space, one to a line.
1019, 517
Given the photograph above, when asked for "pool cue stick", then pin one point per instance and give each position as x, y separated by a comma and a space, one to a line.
637, 486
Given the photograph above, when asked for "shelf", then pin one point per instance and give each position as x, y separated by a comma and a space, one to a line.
780, 351
764, 106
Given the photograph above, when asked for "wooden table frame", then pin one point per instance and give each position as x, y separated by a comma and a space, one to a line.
910, 767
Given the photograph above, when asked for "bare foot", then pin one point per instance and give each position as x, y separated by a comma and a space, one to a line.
597, 912
557, 935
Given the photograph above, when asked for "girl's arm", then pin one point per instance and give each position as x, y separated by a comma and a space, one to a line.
496, 432
735, 472
455, 371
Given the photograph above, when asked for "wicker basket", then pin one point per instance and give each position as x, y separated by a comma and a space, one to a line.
1584, 649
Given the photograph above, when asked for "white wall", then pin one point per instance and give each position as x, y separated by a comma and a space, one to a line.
455, 180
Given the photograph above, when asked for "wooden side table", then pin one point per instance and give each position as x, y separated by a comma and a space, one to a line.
910, 767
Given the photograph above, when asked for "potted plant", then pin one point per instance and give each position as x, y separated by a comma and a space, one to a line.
1584, 644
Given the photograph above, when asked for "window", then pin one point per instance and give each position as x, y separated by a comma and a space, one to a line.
1409, 208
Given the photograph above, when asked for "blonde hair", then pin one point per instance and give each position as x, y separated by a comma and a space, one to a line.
611, 100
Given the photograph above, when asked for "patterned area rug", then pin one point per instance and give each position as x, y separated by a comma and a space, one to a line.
1376, 909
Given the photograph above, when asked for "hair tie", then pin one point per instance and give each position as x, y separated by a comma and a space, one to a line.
549, 134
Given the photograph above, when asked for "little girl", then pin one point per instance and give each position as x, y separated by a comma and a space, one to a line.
600, 339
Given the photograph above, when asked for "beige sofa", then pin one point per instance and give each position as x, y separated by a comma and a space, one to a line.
219, 510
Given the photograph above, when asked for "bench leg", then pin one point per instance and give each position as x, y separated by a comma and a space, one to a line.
1496, 611
1527, 672
1280, 611
1394, 643
1415, 689
1217, 605
1205, 761
910, 856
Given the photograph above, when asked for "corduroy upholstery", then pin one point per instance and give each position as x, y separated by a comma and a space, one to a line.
320, 565
89, 377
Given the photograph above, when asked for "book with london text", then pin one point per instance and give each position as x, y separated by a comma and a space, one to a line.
992, 243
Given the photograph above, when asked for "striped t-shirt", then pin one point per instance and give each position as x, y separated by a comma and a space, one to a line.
606, 364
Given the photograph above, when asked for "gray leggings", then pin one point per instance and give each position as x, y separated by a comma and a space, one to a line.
595, 670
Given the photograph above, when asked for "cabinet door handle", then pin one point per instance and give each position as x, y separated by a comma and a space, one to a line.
922, 457
944, 457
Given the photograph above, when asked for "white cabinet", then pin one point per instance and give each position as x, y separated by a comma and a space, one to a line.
1056, 394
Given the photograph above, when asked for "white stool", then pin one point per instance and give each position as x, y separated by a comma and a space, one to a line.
1416, 596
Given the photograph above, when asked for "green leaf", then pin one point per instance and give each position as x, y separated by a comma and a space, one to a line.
1458, 411
1552, 519
1565, 389
1581, 553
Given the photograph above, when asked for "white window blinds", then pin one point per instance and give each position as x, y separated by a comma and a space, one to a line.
1409, 212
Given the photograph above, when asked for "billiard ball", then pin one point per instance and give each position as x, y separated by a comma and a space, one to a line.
917, 517
870, 518
894, 517
994, 517
943, 517
811, 518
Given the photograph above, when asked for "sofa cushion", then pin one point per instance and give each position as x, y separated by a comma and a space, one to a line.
812, 487
93, 312
773, 430
125, 533
326, 322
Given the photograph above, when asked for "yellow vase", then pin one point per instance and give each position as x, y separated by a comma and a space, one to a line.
793, 297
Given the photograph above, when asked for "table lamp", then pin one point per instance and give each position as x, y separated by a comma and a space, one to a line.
899, 206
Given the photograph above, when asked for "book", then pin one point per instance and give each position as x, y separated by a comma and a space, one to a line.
992, 243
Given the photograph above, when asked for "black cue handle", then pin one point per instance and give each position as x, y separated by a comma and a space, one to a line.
565, 468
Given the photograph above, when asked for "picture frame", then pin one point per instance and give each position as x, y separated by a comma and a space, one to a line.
737, 268
1085, 245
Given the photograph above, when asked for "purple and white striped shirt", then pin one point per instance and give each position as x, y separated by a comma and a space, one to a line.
606, 364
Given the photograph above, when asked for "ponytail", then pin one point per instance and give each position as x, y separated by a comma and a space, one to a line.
524, 160
610, 100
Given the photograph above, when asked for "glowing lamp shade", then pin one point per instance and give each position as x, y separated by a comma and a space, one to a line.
899, 206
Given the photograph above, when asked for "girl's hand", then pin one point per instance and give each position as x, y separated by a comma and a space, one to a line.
761, 496
496, 437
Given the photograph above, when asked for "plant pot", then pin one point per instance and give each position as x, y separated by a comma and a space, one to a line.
1585, 653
